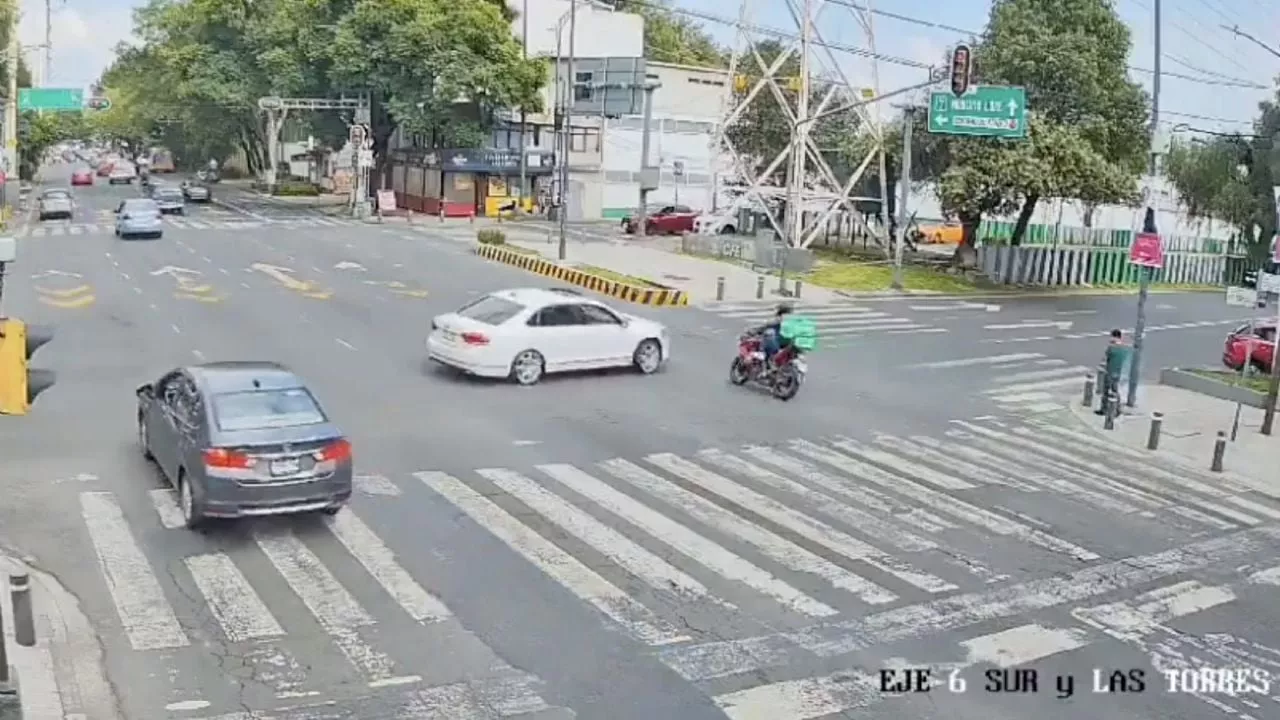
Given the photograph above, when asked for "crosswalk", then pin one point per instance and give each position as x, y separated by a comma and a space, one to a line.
834, 544
1026, 382
836, 322
64, 229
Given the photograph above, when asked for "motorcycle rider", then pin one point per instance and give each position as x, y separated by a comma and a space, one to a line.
771, 334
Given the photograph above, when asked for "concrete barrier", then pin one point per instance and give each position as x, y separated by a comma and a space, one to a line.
1176, 377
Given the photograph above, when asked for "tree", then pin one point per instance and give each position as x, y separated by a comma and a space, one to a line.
1091, 120
439, 67
673, 39
764, 129
38, 132
1212, 180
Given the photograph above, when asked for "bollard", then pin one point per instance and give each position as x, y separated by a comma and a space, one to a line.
760, 287
1088, 392
720, 288
473, 217
408, 217
1153, 435
1110, 408
797, 295
441, 213
1219, 452
24, 626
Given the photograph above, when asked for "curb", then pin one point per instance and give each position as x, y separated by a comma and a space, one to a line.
664, 297
1005, 295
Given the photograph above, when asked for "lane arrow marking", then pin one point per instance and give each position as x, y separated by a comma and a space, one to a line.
174, 272
348, 265
55, 273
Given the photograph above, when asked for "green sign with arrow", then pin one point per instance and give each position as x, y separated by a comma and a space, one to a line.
984, 111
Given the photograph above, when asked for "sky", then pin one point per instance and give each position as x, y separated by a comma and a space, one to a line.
1194, 45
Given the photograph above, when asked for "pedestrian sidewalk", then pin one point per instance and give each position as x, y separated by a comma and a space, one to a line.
1191, 423
696, 277
64, 676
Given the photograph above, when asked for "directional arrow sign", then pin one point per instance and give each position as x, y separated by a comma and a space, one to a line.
348, 265
986, 111
284, 276
55, 273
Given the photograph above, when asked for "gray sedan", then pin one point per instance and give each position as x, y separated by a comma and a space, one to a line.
196, 193
243, 439
56, 204
139, 217
170, 199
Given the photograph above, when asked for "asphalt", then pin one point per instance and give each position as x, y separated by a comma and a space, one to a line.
891, 535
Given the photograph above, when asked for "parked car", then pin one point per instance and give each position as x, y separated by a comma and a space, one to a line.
243, 439
56, 203
1255, 341
139, 217
82, 177
105, 168
664, 220
525, 333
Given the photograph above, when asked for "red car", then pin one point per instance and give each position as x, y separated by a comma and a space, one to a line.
664, 220
82, 177
1260, 337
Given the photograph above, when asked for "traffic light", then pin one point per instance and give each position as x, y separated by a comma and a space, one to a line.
961, 69
19, 384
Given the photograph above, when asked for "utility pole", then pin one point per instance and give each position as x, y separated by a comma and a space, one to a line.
904, 177
1144, 278
799, 148
46, 77
524, 117
11, 97
566, 113
642, 212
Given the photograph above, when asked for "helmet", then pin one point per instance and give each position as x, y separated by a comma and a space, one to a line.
784, 309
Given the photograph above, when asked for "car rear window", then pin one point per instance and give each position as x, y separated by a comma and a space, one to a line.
263, 409
491, 310
169, 193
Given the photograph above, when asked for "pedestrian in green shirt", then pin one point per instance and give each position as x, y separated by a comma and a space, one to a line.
1114, 361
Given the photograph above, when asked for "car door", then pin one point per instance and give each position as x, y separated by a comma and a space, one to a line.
191, 433
161, 431
558, 336
605, 337
1264, 348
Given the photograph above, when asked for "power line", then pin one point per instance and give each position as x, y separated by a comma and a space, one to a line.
1205, 118
1232, 82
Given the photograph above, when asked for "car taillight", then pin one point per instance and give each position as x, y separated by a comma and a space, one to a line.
474, 338
336, 451
223, 458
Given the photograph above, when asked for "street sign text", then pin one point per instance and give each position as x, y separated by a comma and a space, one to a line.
985, 110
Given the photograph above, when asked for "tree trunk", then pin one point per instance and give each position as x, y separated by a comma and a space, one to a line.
966, 254
1024, 219
1089, 210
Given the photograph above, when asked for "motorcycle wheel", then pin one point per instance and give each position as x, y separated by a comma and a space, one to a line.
739, 374
786, 383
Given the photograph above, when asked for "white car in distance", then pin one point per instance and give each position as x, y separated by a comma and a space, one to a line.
526, 333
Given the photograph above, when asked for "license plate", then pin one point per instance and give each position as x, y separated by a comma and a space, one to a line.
286, 466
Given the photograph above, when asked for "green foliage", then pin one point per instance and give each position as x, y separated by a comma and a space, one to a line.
1209, 181
1088, 137
764, 128
297, 189
491, 237
39, 132
671, 38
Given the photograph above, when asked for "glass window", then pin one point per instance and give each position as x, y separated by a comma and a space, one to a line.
1267, 333
559, 316
597, 315
266, 409
491, 310
582, 90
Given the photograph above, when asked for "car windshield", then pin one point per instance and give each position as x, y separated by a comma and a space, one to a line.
264, 409
169, 193
56, 194
491, 310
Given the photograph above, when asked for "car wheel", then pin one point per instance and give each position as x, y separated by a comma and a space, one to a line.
333, 509
528, 367
648, 356
192, 513
144, 439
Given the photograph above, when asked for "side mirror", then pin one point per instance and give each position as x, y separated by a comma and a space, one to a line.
145, 390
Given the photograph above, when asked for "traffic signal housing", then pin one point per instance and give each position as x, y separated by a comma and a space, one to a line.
19, 384
961, 69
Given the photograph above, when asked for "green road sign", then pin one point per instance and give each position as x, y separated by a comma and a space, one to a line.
986, 111
55, 99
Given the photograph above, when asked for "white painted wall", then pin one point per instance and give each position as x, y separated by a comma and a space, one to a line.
599, 33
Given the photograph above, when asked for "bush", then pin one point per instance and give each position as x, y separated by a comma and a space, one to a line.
491, 237
295, 189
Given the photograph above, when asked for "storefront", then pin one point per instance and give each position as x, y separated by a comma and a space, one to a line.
464, 182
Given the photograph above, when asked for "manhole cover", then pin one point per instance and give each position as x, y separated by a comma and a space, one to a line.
678, 278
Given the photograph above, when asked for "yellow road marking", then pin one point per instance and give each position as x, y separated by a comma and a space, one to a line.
78, 290
72, 304
411, 293
198, 298
316, 294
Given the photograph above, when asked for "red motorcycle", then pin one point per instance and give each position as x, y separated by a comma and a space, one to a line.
785, 377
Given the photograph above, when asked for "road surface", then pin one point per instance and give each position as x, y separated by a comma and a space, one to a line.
608, 546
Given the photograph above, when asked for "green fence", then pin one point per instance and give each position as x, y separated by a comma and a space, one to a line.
993, 232
1080, 265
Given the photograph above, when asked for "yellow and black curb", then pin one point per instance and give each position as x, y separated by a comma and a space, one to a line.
661, 297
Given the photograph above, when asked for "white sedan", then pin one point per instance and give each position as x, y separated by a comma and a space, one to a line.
526, 333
